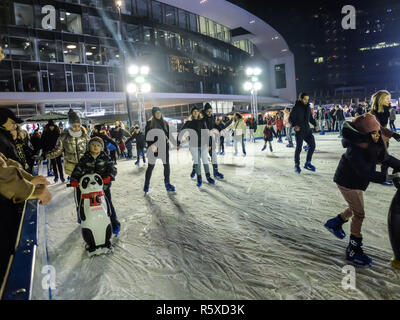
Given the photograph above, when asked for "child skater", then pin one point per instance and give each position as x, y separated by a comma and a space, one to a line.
357, 168
95, 160
268, 136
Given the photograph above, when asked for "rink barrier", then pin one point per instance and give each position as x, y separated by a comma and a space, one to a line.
19, 281
18, 285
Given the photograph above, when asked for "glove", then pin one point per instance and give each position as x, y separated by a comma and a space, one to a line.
107, 180
396, 136
75, 184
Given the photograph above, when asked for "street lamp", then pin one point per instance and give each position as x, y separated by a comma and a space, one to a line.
118, 4
253, 85
139, 86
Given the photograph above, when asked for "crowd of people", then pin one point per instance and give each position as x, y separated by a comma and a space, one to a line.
77, 150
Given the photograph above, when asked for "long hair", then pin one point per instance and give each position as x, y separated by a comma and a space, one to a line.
153, 123
377, 101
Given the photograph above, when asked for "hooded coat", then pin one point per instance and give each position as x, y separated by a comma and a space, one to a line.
357, 167
73, 146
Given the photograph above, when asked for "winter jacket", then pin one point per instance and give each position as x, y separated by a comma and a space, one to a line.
25, 152
269, 133
117, 135
36, 142
49, 138
161, 124
339, 115
200, 128
252, 123
383, 117
279, 124
14, 181
357, 168
139, 138
320, 114
73, 148
332, 114
301, 116
392, 114
239, 127
102, 165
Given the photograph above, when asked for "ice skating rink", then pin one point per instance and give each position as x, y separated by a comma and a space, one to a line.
256, 235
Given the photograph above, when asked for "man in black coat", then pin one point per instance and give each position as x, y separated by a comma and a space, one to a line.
300, 118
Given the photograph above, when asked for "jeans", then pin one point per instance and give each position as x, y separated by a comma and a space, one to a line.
140, 153
289, 131
340, 126
221, 146
321, 124
200, 155
309, 139
236, 141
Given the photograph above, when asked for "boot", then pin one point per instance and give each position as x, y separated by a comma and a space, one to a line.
146, 188
193, 174
334, 226
199, 181
217, 174
209, 179
297, 168
290, 145
355, 253
265, 147
309, 166
169, 186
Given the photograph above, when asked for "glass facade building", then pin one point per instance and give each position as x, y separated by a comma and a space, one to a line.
79, 45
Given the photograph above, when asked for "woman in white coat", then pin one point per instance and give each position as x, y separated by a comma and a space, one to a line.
239, 130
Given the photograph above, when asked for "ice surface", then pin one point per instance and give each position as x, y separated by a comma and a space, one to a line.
256, 235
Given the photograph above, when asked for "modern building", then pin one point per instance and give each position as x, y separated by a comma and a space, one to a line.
62, 54
339, 65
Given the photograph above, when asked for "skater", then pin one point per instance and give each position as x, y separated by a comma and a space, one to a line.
252, 124
380, 108
340, 118
209, 120
269, 132
73, 144
279, 127
288, 127
239, 130
392, 118
48, 141
95, 160
24, 148
321, 120
219, 125
140, 144
357, 168
100, 131
199, 145
300, 118
157, 122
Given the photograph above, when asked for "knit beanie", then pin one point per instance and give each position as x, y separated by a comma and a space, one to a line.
154, 110
194, 108
97, 140
51, 123
366, 123
73, 117
206, 107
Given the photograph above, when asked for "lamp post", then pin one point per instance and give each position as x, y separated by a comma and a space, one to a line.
139, 86
118, 4
253, 85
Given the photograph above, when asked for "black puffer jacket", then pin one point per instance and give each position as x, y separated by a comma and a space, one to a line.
357, 167
102, 165
383, 117
301, 116
49, 138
